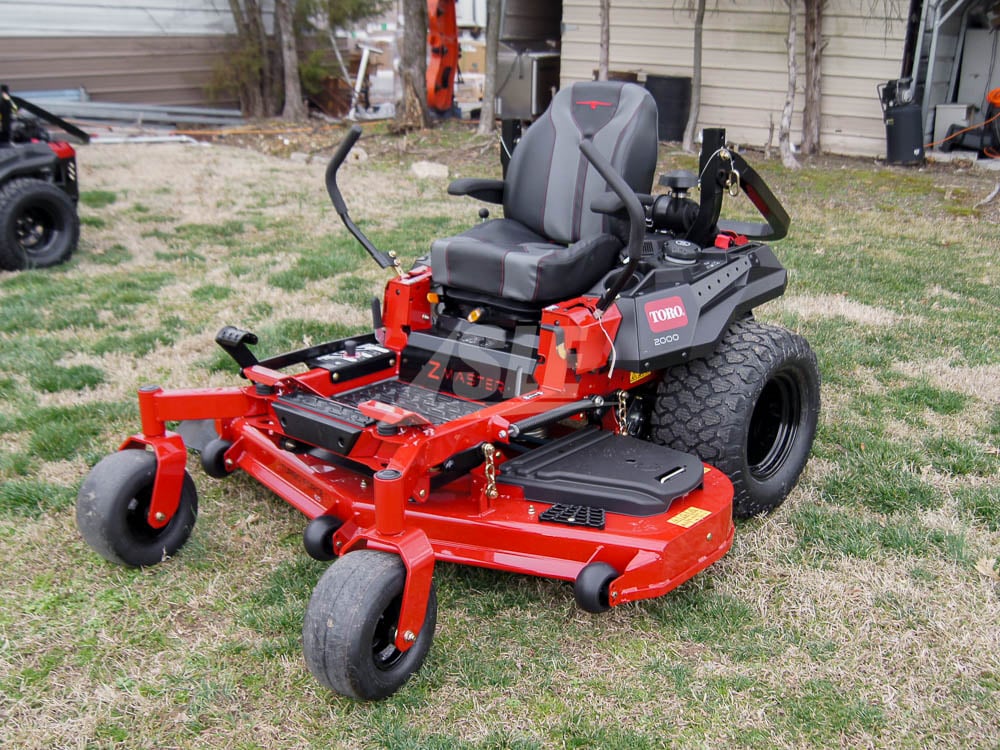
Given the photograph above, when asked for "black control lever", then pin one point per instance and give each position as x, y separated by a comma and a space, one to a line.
234, 342
637, 221
385, 260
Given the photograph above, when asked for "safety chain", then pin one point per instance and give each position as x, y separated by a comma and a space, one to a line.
621, 413
489, 452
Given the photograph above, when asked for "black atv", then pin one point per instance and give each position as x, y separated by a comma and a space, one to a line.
39, 226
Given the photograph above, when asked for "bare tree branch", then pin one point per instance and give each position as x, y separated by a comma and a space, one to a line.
605, 45
487, 114
692, 124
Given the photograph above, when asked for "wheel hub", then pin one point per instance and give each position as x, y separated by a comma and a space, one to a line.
35, 229
774, 425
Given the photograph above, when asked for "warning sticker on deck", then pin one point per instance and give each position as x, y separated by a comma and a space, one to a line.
689, 517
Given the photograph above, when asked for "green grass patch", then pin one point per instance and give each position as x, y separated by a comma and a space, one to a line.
136, 344
356, 291
848, 532
211, 293
276, 609
111, 256
820, 713
223, 233
296, 333
922, 395
97, 198
329, 257
724, 622
63, 432
55, 378
962, 457
26, 497
981, 504
183, 255
882, 487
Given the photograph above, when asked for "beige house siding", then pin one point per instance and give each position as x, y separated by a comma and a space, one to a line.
146, 70
130, 51
744, 63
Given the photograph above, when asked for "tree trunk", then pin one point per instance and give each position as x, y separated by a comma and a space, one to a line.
412, 113
814, 44
692, 124
248, 69
605, 45
785, 126
294, 109
267, 83
487, 113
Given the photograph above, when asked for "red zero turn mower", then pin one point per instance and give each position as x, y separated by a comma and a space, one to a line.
538, 395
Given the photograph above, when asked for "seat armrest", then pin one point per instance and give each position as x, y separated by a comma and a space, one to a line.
611, 204
487, 190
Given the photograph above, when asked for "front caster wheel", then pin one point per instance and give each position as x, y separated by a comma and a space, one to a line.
112, 506
750, 410
318, 537
213, 458
349, 633
591, 587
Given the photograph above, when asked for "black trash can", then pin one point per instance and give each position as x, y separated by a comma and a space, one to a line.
672, 95
904, 131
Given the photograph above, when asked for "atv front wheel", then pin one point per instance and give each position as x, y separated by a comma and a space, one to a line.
39, 226
750, 410
349, 633
112, 508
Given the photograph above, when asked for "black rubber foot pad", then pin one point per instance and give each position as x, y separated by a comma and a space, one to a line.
574, 515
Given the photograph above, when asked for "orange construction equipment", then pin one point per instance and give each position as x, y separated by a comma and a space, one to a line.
442, 40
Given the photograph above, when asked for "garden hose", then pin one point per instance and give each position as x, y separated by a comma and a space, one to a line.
993, 99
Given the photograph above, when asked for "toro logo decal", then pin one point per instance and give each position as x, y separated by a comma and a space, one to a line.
593, 104
666, 314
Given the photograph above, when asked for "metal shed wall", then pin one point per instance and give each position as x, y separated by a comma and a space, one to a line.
744, 62
142, 51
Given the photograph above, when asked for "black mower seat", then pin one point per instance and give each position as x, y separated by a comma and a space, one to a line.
550, 246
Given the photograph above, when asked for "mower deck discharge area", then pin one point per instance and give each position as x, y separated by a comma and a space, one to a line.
502, 414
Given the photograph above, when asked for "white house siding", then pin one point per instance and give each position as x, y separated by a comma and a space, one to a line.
143, 51
744, 62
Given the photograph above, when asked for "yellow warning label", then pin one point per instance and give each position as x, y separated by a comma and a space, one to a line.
689, 517
635, 377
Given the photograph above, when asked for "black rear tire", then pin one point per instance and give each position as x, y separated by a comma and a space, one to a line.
750, 410
112, 506
39, 226
350, 627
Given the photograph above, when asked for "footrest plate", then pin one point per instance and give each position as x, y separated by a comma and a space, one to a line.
574, 515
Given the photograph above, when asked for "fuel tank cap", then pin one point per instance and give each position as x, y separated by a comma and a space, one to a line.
681, 251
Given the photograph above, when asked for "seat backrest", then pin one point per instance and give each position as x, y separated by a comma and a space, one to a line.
550, 184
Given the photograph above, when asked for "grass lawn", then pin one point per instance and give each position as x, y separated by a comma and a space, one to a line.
864, 612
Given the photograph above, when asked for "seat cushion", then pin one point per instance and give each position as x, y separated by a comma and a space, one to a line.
503, 258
